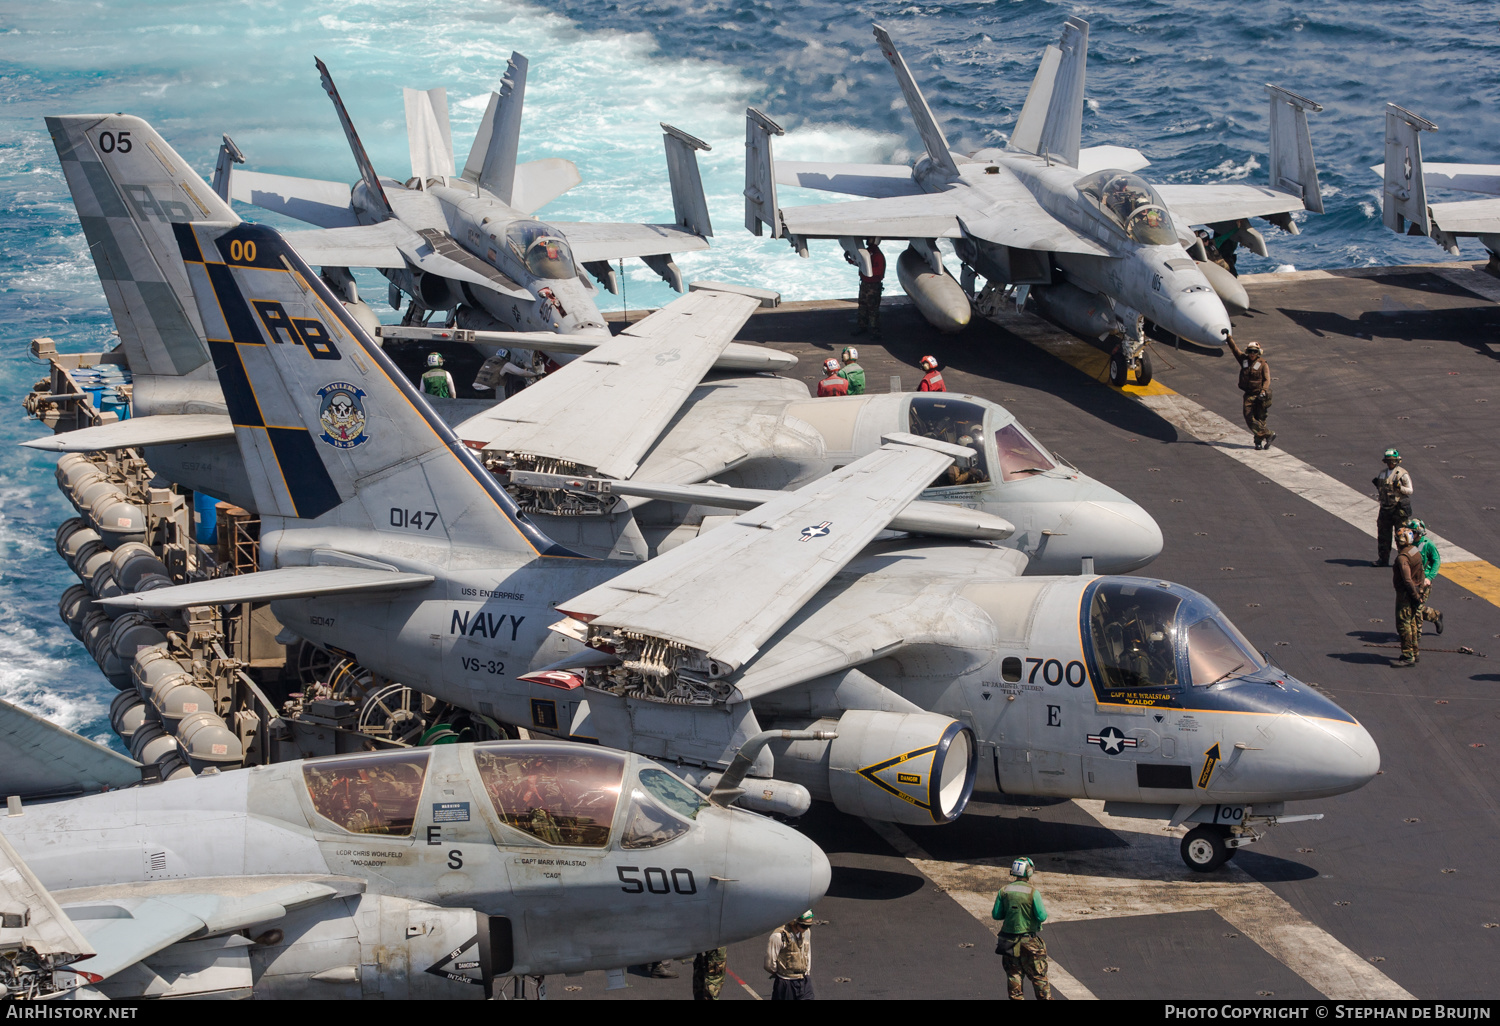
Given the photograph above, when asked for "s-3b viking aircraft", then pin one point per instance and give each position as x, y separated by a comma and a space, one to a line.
412, 873
468, 243
1098, 248
937, 666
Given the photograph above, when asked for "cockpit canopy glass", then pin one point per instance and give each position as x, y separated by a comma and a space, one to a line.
1020, 456
543, 251
559, 797
1132, 204
957, 422
1218, 651
368, 794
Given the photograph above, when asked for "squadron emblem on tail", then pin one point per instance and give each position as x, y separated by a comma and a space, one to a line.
342, 415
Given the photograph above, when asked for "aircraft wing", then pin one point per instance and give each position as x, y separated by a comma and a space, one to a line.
325, 204
871, 180
1226, 201
161, 429
286, 582
723, 594
38, 758
393, 244
593, 241
1467, 217
1483, 178
607, 408
48, 932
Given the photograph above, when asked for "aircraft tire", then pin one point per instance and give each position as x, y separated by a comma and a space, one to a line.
1204, 850
1143, 373
1119, 368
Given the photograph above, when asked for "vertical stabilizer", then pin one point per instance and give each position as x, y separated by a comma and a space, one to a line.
428, 134
329, 429
1062, 131
1292, 166
129, 187
760, 174
492, 159
1405, 207
689, 204
1027, 135
927, 126
373, 188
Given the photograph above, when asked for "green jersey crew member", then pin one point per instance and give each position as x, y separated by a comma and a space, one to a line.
1431, 563
1022, 951
436, 381
852, 372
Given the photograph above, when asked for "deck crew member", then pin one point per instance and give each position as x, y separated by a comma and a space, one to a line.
833, 384
1407, 578
870, 288
852, 372
1431, 563
1394, 486
436, 381
1022, 951
932, 381
708, 973
1255, 382
789, 960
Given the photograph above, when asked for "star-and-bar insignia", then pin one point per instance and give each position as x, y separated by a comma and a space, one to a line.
816, 531
1111, 741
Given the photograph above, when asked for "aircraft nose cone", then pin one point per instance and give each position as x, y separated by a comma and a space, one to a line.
1129, 536
1297, 755
775, 874
1199, 317
1350, 756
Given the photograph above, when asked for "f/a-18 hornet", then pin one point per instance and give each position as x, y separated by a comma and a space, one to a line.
409, 873
1100, 250
468, 243
930, 663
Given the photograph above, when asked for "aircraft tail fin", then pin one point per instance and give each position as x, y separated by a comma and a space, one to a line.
366, 169
927, 126
129, 188
1405, 208
760, 174
1027, 135
1062, 128
329, 429
689, 204
492, 159
428, 134
1293, 169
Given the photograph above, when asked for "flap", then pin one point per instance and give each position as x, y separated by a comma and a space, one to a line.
872, 180
287, 582
598, 241
325, 204
162, 429
1467, 217
1209, 204
777, 556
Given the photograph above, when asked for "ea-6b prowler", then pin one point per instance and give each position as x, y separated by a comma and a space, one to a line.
1099, 249
468, 243
416, 873
382, 535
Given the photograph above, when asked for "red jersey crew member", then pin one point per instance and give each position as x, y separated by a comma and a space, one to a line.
932, 381
869, 291
833, 384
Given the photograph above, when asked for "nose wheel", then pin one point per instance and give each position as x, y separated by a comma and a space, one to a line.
1204, 848
1121, 364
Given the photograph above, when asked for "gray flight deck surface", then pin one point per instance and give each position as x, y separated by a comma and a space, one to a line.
1402, 874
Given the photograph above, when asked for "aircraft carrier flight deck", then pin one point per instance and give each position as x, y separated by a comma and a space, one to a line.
1393, 893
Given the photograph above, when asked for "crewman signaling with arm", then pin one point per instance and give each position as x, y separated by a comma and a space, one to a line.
869, 291
789, 960
1022, 951
852, 372
1407, 577
1255, 382
932, 381
436, 381
1395, 488
834, 384
1431, 562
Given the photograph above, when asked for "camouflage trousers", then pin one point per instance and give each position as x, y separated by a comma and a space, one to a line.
1256, 411
708, 974
1387, 521
1030, 964
869, 305
1408, 625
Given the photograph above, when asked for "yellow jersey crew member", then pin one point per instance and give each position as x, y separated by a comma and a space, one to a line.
1022, 951
789, 960
436, 381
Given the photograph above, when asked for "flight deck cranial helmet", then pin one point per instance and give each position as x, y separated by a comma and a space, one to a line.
1418, 528
1021, 868
849, 355
831, 365
1253, 347
1392, 454
929, 363
434, 359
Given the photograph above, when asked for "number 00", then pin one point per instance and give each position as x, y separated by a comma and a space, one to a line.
242, 252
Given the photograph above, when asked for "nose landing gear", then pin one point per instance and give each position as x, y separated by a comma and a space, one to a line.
1122, 362
1207, 847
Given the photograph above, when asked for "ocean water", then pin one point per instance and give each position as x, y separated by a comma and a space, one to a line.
1181, 81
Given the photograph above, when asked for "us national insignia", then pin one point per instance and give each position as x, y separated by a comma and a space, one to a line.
342, 415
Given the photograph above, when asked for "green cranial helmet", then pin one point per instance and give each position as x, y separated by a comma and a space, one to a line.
1021, 868
806, 918
1392, 454
1417, 526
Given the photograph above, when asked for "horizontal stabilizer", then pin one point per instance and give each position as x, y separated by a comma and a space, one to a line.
38, 759
869, 180
164, 429
539, 182
325, 204
365, 245
268, 585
